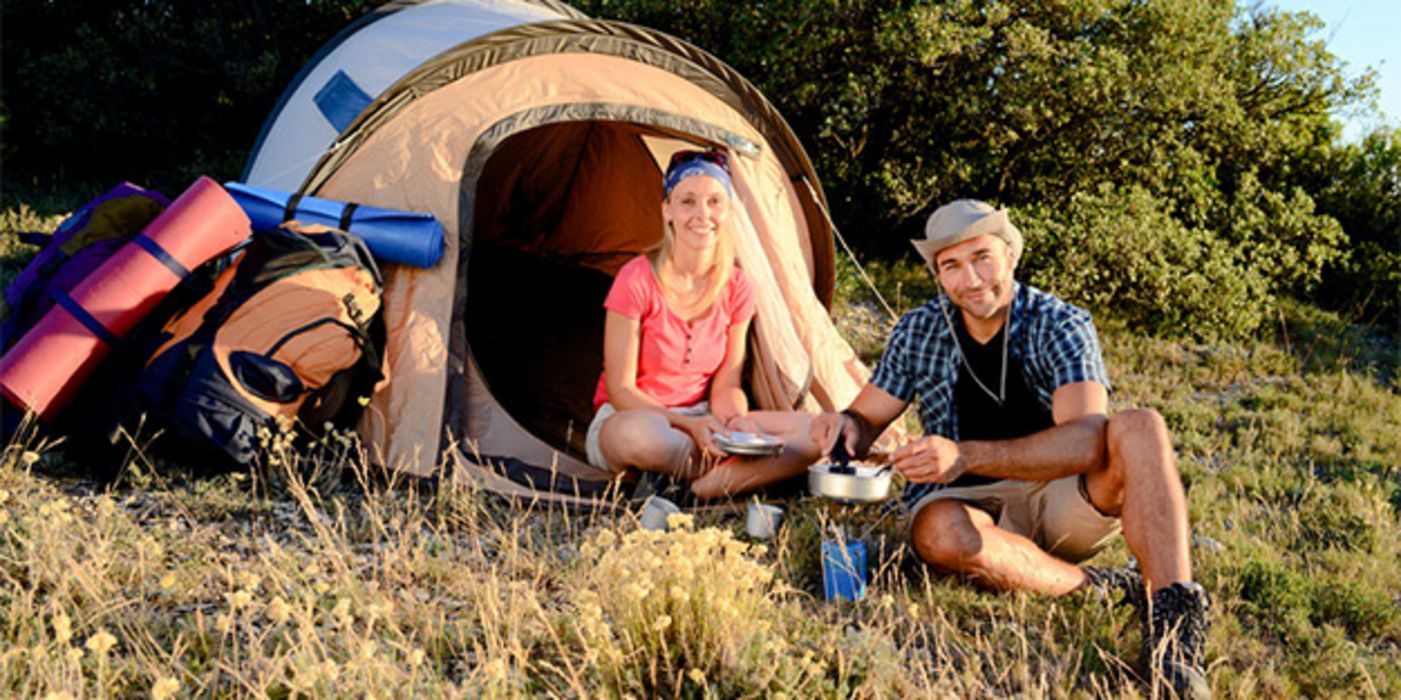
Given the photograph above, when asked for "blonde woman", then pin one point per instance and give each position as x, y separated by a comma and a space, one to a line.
673, 349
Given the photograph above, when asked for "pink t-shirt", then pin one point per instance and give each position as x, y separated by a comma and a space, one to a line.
677, 358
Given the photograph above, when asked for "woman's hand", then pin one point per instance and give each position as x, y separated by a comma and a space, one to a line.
744, 424
702, 430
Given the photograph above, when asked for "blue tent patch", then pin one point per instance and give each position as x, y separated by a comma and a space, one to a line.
340, 100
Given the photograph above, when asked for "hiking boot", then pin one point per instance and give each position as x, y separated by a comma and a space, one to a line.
1174, 637
1127, 582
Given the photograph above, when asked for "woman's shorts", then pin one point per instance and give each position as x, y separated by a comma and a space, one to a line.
591, 448
1057, 515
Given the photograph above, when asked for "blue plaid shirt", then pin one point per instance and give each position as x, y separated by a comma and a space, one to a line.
1053, 342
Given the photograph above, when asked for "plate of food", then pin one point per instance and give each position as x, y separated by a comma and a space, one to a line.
749, 444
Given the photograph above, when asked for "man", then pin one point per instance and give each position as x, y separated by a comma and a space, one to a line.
1021, 473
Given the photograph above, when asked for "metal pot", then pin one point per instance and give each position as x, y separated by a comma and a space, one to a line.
869, 483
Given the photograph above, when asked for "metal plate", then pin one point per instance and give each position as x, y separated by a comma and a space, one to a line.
763, 446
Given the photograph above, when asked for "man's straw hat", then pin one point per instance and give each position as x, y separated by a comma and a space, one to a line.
961, 220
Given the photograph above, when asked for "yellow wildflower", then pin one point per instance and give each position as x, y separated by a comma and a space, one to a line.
279, 611
248, 579
101, 642
697, 676
164, 688
239, 598
63, 628
342, 609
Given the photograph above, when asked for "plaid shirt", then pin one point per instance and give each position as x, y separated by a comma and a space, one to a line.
1052, 342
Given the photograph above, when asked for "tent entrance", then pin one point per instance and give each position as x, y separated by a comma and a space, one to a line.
558, 209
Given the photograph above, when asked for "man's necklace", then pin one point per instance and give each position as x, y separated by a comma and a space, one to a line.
1001, 396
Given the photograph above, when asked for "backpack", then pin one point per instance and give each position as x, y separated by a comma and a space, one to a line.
78, 246
289, 334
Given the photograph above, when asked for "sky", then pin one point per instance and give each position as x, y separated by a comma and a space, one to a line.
1363, 33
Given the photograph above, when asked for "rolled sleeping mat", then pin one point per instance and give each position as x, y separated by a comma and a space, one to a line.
411, 238
47, 367
104, 214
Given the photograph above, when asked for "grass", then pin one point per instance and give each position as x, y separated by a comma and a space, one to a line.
358, 583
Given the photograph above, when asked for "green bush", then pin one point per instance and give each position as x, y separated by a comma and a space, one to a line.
1360, 607
1119, 252
1277, 596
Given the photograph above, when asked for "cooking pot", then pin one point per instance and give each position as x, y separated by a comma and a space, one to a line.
850, 483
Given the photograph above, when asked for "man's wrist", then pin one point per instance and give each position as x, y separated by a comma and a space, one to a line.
859, 423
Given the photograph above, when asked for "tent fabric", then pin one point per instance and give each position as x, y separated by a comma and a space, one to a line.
538, 147
373, 53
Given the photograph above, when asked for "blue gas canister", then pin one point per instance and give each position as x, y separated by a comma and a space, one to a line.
844, 570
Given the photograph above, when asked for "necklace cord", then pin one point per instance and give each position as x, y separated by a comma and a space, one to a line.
1001, 396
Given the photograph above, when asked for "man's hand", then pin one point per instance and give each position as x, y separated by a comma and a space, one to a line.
827, 428
930, 459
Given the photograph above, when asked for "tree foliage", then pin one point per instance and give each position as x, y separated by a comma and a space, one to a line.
1215, 117
152, 90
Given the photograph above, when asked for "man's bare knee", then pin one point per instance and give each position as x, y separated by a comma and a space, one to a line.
1136, 426
945, 535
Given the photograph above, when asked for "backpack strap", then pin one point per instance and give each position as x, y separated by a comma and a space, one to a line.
145, 243
89, 321
289, 211
346, 214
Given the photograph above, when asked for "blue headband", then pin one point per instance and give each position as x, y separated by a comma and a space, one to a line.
694, 167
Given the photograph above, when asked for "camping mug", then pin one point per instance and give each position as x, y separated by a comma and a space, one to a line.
844, 569
655, 512
761, 520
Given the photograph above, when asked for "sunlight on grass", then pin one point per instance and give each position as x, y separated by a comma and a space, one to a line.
318, 575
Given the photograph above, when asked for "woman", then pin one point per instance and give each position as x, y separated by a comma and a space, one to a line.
673, 349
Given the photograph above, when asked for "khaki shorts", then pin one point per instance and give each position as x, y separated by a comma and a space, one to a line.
1057, 515
591, 448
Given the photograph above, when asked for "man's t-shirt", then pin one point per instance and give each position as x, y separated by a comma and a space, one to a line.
980, 416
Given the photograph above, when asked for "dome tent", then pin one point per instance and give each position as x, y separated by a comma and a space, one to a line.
537, 138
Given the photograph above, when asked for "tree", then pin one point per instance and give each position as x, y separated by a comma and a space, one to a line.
149, 90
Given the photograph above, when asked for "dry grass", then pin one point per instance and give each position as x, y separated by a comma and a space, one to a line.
341, 581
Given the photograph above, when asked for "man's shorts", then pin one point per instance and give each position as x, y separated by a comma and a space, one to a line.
591, 448
1057, 515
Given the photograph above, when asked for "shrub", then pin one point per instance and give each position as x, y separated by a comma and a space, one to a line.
1277, 596
1119, 252
667, 612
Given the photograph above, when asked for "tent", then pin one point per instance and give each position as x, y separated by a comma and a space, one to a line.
537, 137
